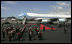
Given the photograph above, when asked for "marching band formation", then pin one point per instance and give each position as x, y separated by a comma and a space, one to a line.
18, 33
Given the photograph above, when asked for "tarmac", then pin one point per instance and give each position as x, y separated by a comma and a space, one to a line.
56, 36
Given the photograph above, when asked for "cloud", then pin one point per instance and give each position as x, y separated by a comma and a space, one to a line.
35, 9
61, 8
10, 2
62, 4
55, 7
5, 8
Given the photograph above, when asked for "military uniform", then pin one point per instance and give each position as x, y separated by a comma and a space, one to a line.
3, 32
7, 30
10, 35
43, 28
65, 30
10, 32
40, 35
23, 33
19, 34
51, 28
13, 32
30, 34
33, 35
37, 31
17, 29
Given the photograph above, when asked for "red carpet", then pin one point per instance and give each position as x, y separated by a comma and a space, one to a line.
46, 28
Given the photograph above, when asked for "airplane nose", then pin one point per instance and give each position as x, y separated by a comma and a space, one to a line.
23, 14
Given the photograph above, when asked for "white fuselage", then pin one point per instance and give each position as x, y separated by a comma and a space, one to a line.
48, 15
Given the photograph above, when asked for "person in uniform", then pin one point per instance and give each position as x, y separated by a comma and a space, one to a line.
10, 28
3, 32
65, 31
30, 34
40, 35
19, 34
10, 32
10, 35
37, 31
43, 28
13, 32
7, 30
23, 33
17, 29
51, 28
33, 35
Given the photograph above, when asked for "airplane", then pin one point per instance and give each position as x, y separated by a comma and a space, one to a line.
46, 17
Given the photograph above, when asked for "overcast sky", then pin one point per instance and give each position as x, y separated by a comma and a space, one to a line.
14, 8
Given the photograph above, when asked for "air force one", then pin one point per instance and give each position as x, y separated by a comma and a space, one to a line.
46, 17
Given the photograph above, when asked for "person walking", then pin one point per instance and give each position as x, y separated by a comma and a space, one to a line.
10, 35
44, 28
33, 35
40, 35
51, 28
37, 31
17, 29
19, 36
23, 33
65, 28
30, 34
7, 30
3, 32
19, 33
13, 32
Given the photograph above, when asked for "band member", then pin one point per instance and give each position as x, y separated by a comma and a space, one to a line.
13, 32
10, 28
33, 35
3, 32
30, 34
40, 35
37, 31
17, 29
10, 35
7, 30
23, 32
43, 28
19, 34
65, 30
51, 28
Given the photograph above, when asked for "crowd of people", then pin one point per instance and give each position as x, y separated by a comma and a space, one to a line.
18, 33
